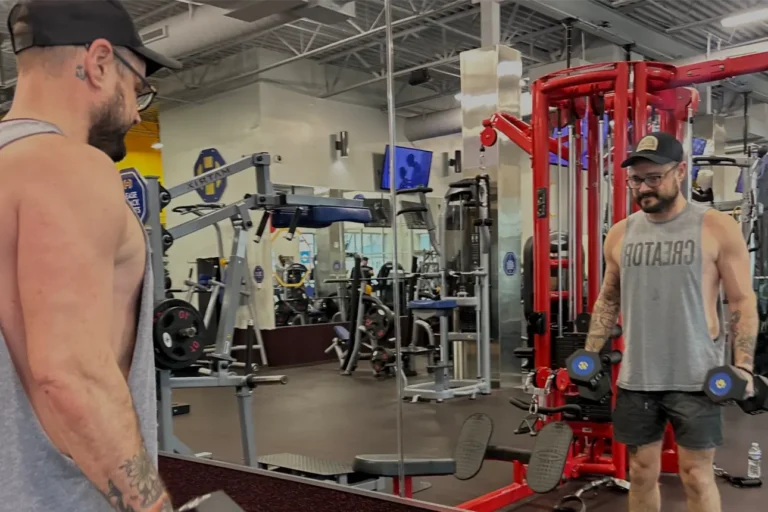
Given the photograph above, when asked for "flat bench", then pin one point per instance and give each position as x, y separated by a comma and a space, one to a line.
318, 468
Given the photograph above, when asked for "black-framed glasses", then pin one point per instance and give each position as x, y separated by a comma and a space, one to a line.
653, 181
146, 96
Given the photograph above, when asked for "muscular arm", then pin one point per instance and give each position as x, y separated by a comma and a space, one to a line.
605, 312
71, 223
734, 267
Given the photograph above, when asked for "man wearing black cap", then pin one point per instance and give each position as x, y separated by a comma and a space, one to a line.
664, 268
76, 358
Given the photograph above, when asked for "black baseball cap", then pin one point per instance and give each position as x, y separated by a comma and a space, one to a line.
80, 22
657, 147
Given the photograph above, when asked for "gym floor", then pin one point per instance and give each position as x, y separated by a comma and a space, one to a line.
323, 414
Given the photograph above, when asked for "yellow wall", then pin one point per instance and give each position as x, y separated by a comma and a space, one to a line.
141, 155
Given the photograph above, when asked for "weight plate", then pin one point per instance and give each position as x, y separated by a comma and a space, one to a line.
378, 322
179, 334
720, 384
283, 313
582, 366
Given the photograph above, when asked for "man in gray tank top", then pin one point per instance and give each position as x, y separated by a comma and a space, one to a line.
78, 415
664, 267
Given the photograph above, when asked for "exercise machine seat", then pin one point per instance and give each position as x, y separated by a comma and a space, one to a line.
387, 466
321, 216
444, 304
342, 333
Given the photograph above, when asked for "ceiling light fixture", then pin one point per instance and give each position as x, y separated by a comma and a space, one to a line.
745, 18
157, 145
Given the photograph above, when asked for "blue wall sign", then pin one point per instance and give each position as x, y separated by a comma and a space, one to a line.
135, 192
359, 197
305, 257
336, 266
208, 160
510, 263
258, 274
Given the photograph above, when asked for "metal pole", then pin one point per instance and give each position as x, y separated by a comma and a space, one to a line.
396, 278
571, 225
600, 188
559, 227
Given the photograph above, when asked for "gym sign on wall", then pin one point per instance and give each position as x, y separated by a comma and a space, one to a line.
135, 192
208, 160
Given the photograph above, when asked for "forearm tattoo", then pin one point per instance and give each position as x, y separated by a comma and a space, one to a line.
744, 333
605, 313
146, 488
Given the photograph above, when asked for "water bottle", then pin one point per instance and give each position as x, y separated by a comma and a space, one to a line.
753, 470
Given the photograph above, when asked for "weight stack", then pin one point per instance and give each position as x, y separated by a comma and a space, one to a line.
599, 412
569, 343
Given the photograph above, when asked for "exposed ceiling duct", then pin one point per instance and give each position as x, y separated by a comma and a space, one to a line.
205, 26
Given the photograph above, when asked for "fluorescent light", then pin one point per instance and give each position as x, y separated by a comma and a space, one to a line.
745, 18
157, 145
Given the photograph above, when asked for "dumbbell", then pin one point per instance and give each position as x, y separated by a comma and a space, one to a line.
589, 371
724, 384
215, 502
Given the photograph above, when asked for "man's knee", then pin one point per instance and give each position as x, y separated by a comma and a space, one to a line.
645, 466
696, 470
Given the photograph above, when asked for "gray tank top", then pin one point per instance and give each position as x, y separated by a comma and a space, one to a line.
667, 341
34, 475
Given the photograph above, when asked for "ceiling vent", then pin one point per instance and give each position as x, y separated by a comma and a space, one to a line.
154, 35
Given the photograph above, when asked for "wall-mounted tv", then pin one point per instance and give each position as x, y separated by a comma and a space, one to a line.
412, 168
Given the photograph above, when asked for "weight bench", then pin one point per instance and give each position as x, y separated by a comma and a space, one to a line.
317, 468
467, 458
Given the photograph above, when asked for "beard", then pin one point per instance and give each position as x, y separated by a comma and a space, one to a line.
108, 130
661, 204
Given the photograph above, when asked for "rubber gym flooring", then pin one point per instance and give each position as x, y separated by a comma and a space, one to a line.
323, 414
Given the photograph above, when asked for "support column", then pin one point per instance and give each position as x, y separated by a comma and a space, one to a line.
490, 82
711, 127
331, 253
490, 22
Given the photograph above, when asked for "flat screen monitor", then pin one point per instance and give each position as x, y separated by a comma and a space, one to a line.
381, 211
414, 220
412, 168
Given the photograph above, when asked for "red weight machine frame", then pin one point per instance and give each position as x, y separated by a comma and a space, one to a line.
658, 88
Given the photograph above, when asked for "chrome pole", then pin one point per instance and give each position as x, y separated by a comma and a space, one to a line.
572, 243
559, 228
600, 188
396, 275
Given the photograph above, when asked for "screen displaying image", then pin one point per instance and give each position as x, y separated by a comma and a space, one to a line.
412, 168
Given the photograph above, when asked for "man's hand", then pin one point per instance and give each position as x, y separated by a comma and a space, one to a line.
750, 391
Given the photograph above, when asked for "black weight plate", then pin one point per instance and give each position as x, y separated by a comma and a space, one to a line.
283, 313
377, 322
174, 351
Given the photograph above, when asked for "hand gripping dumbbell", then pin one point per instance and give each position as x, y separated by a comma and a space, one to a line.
590, 371
725, 384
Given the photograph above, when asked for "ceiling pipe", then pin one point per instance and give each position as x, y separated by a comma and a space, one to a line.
205, 26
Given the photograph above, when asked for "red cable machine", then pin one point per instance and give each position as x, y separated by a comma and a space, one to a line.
658, 95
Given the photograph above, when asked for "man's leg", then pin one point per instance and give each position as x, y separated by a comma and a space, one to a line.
644, 469
699, 480
698, 425
639, 422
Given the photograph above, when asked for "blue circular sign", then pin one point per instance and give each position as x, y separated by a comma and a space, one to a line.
258, 274
582, 365
720, 384
208, 160
359, 196
336, 265
510, 263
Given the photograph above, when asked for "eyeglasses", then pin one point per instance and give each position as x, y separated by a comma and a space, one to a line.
635, 182
146, 96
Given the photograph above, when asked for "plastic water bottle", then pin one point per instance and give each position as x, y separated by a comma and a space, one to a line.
755, 455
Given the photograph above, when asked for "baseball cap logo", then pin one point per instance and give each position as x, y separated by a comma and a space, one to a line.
648, 143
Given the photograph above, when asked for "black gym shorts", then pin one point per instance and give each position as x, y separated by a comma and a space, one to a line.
641, 417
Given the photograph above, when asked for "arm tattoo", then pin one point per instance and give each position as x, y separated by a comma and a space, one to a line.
605, 313
744, 338
142, 476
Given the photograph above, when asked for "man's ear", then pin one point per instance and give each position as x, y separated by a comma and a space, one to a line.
98, 58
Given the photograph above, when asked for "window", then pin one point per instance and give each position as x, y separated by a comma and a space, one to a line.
374, 246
